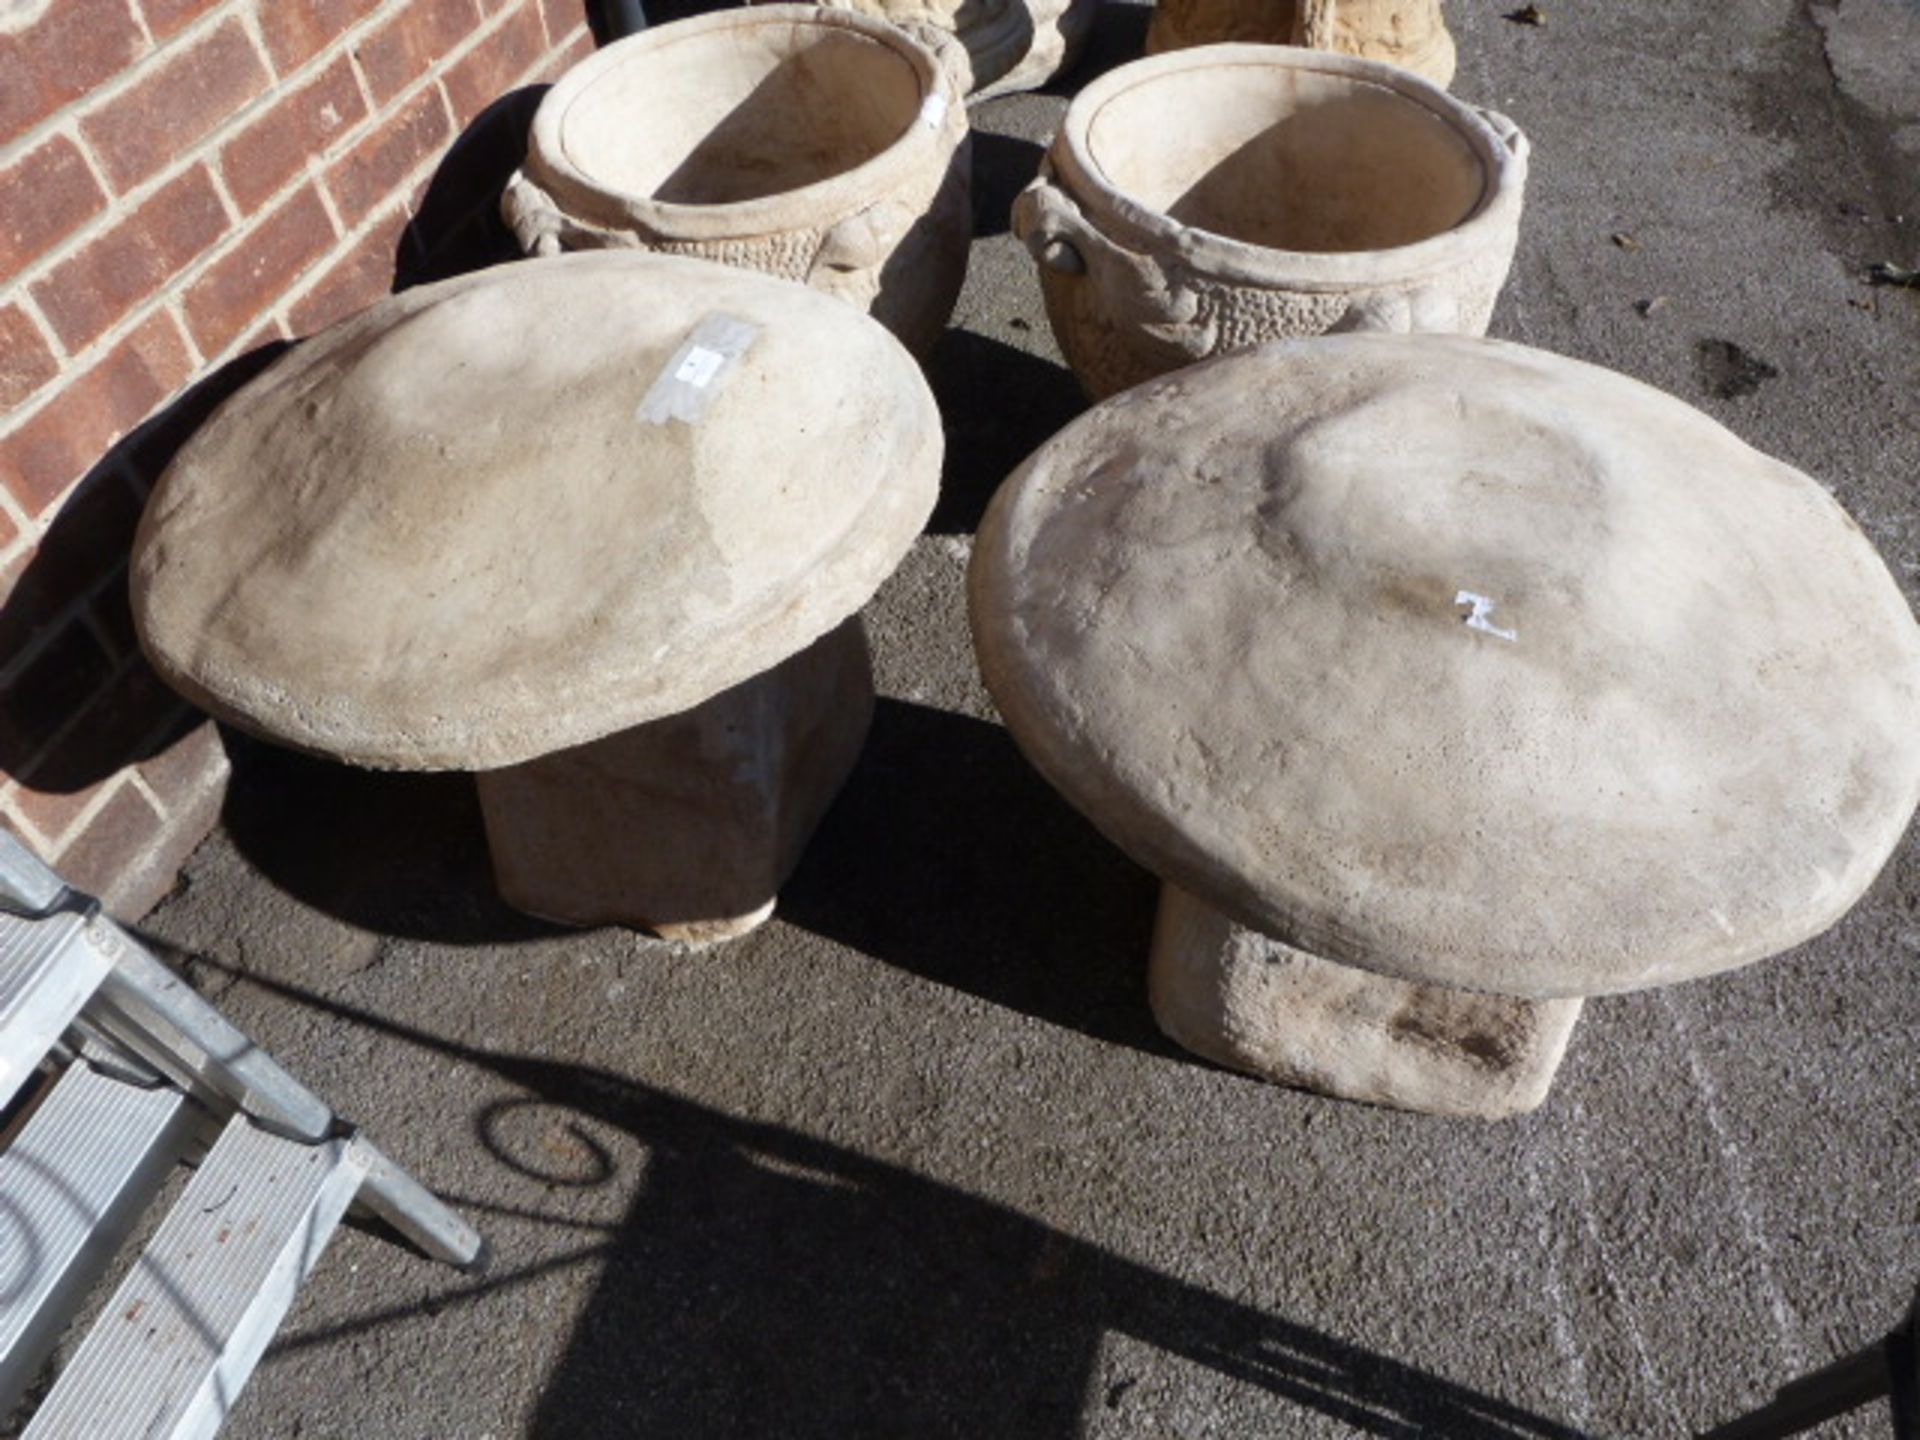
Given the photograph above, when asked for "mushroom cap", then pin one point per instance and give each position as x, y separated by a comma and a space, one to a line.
444, 535
1456, 661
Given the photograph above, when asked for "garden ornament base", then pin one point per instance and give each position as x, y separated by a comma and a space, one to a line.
1445, 682
581, 525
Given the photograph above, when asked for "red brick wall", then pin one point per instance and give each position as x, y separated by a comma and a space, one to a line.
182, 182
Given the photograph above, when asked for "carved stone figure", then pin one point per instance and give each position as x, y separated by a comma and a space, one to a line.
592, 526
1409, 33
1445, 682
730, 137
1010, 44
1209, 200
1057, 33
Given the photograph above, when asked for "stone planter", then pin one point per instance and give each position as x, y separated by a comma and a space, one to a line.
731, 137
1214, 199
1408, 33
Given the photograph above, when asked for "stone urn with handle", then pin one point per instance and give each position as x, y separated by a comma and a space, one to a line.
732, 137
1213, 199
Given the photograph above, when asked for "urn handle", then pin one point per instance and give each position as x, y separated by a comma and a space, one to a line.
536, 222
1050, 225
1513, 136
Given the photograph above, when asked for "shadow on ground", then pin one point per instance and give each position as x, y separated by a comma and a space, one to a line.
949, 857
767, 1283
397, 854
998, 405
1003, 166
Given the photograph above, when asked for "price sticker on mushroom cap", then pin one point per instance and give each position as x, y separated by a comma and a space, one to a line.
700, 366
698, 370
1480, 615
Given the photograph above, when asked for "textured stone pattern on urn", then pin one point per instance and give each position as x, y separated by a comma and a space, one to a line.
766, 168
1297, 194
1409, 33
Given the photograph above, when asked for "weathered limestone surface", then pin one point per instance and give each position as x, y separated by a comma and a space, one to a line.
1253, 1003
458, 532
734, 137
1409, 33
994, 33
1057, 33
1209, 200
1457, 662
685, 826
1012, 45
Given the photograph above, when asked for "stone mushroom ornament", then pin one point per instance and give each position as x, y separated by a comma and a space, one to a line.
1445, 682
595, 527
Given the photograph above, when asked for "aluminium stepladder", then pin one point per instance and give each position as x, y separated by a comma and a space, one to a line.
148, 1071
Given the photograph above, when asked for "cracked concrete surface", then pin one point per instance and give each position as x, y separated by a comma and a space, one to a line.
912, 1161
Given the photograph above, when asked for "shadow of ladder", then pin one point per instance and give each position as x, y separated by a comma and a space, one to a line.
138, 1073
1890, 1367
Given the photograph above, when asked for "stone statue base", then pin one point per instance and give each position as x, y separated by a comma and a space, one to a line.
1254, 1003
687, 825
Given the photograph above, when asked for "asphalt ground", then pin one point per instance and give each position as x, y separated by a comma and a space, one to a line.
912, 1160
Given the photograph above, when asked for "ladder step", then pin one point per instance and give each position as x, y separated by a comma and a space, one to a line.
72, 1184
167, 1358
48, 968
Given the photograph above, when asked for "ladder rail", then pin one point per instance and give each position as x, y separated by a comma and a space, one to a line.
177, 1341
146, 1066
72, 1186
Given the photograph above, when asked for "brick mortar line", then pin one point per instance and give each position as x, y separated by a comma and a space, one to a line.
36, 838
315, 171
110, 789
67, 121
127, 775
140, 785
31, 308
156, 55
51, 625
139, 10
312, 279
217, 175
433, 76
205, 151
68, 725
23, 521
170, 303
126, 79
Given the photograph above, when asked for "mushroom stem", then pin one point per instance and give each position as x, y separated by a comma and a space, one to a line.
688, 825
1257, 1004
